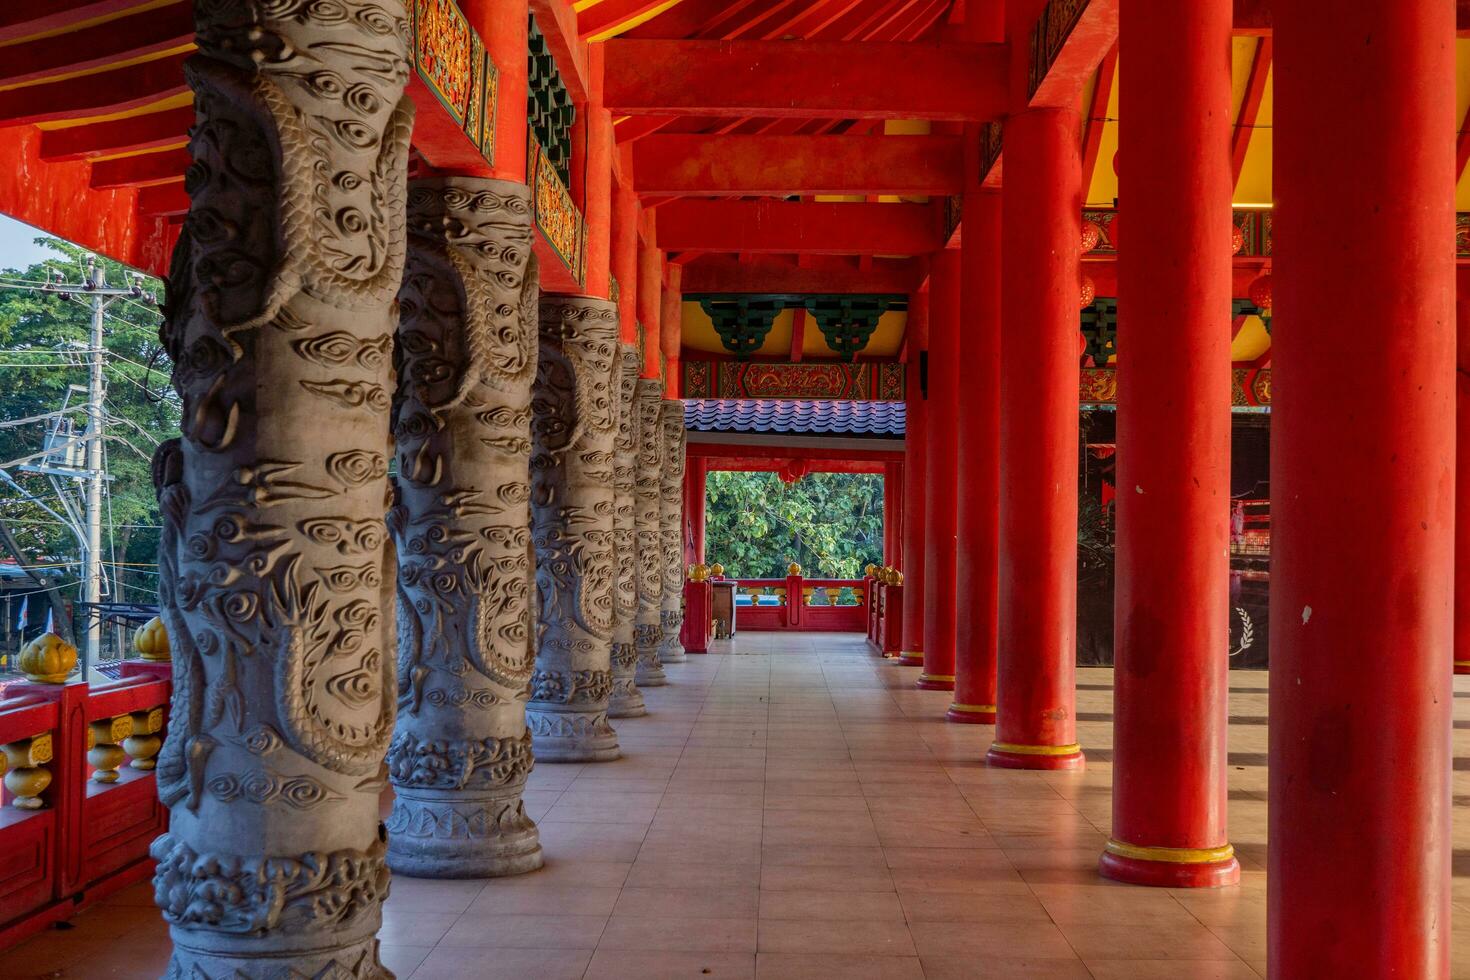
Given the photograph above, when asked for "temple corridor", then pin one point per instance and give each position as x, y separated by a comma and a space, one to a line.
791, 807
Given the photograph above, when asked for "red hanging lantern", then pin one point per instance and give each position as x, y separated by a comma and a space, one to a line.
1089, 291
1091, 235
1113, 233
1260, 294
1237, 239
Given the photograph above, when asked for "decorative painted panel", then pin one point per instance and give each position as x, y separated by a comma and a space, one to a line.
452, 62
788, 380
1255, 229
1052, 29
557, 216
1249, 387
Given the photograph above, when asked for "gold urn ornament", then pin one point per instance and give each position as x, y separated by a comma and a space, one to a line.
48, 659
717, 570
699, 573
151, 641
793, 569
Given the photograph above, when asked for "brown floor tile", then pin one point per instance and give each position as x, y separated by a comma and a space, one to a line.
831, 905
463, 963
617, 964
871, 937
681, 933
827, 966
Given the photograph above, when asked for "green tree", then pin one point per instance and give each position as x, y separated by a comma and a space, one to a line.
43, 344
829, 523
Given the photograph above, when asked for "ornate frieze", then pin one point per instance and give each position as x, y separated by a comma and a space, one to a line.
574, 429
273, 559
671, 530
647, 491
466, 360
627, 700
868, 381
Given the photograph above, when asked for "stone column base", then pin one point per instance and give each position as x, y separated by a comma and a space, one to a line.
455, 834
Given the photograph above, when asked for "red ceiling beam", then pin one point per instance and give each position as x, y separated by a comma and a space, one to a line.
1095, 34
796, 227
823, 274
149, 131
103, 44
23, 18
811, 79
164, 167
781, 165
91, 95
558, 23
1250, 106
610, 13
1254, 17
165, 200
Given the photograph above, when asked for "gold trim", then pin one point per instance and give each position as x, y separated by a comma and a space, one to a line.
936, 677
1172, 855
978, 709
1017, 749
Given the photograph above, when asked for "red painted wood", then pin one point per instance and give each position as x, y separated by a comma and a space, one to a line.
1171, 632
145, 169
155, 129
892, 511
611, 14
91, 95
598, 207
978, 521
1250, 107
825, 274
558, 23
807, 79
1040, 233
670, 319
1462, 480
1360, 754
779, 165
1097, 110
698, 600
100, 45
941, 478
650, 298
696, 471
502, 25
799, 227
1094, 36
32, 17
912, 563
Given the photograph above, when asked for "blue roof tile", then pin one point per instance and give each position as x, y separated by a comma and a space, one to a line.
860, 418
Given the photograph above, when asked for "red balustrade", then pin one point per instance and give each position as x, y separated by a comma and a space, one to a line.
80, 805
795, 610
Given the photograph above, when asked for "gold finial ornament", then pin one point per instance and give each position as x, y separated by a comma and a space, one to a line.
793, 569
699, 573
870, 570
48, 659
151, 641
717, 569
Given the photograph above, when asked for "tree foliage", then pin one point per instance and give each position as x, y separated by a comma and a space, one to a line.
43, 345
829, 523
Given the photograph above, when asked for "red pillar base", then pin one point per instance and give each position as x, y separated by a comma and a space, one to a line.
1462, 666
935, 682
1170, 867
911, 658
1003, 755
971, 714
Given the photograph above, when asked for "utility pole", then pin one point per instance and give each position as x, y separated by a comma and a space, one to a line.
96, 475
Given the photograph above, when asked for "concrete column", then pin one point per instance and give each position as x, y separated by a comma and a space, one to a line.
647, 475
671, 531
466, 357
274, 565
573, 431
627, 700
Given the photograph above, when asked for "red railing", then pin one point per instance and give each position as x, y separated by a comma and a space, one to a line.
771, 605
80, 806
885, 613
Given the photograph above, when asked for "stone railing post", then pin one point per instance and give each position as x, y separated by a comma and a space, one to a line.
274, 569
574, 428
648, 629
627, 700
671, 531
466, 359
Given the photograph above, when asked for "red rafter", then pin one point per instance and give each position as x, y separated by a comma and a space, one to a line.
117, 90
1250, 106
98, 46
611, 13
145, 132
140, 171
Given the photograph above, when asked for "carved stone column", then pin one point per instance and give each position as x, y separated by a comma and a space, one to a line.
671, 530
627, 700
573, 430
274, 566
466, 358
648, 632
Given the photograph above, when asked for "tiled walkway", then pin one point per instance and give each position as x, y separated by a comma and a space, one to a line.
792, 808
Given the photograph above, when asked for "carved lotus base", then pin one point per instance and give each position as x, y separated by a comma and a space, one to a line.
561, 735
651, 674
650, 669
446, 834
356, 960
627, 700
672, 654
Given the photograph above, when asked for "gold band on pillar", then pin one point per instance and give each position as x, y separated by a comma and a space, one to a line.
1172, 855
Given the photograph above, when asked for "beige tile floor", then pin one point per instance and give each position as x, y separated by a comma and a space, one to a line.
792, 808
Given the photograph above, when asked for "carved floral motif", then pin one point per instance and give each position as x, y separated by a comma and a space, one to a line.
648, 628
671, 530
626, 701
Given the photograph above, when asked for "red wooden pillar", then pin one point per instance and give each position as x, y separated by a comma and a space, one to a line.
624, 256
912, 564
1363, 500
1171, 605
892, 512
941, 489
1041, 228
696, 469
978, 522
671, 315
598, 182
650, 297
1462, 481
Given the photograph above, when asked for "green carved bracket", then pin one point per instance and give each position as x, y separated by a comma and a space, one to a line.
549, 109
744, 320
